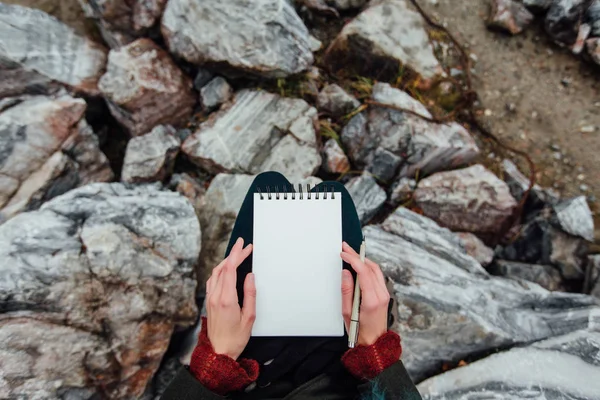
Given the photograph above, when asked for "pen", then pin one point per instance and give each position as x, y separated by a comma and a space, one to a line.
353, 333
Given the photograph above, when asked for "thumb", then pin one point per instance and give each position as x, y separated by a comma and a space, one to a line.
249, 307
347, 296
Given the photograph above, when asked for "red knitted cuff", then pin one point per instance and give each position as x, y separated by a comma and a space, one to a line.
219, 373
366, 362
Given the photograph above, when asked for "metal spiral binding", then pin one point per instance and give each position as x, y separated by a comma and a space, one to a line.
292, 193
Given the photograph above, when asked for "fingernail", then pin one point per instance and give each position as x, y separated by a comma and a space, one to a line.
239, 240
346, 276
251, 277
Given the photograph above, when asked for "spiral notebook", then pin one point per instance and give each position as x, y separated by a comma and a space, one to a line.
297, 264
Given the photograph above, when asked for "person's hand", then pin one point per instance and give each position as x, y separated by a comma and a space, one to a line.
229, 327
374, 297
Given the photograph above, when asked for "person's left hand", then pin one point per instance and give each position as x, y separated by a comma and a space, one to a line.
229, 327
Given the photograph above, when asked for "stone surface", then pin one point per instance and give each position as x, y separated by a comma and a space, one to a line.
418, 145
566, 252
510, 16
193, 189
121, 21
563, 20
446, 313
334, 158
367, 195
336, 101
575, 217
258, 131
215, 93
145, 88
46, 149
593, 49
564, 367
28, 64
150, 157
94, 282
519, 183
538, 6
546, 276
381, 38
348, 4
384, 164
592, 17
203, 76
476, 248
266, 38
402, 190
593, 273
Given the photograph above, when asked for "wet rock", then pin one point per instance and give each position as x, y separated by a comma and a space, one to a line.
30, 65
402, 190
193, 189
544, 275
151, 157
470, 199
367, 195
258, 131
476, 248
519, 183
510, 16
446, 314
421, 145
145, 88
334, 158
95, 281
563, 20
575, 217
215, 93
266, 38
384, 36
593, 49
336, 101
557, 368
47, 149
120, 21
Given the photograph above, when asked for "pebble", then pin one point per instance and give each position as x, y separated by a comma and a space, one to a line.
555, 147
583, 187
580, 177
487, 112
511, 107
534, 115
556, 155
565, 82
587, 129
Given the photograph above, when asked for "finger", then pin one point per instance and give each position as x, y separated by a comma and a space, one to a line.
230, 273
379, 278
349, 249
347, 296
365, 275
249, 306
211, 283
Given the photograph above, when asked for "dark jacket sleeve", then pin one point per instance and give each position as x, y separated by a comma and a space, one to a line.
185, 387
393, 383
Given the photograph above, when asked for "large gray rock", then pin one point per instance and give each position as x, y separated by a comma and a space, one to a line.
150, 157
564, 367
415, 144
575, 217
367, 195
510, 16
266, 38
92, 286
336, 101
446, 314
471, 199
145, 88
564, 19
46, 149
29, 64
383, 37
334, 158
546, 276
258, 131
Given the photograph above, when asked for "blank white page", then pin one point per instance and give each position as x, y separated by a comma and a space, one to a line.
297, 266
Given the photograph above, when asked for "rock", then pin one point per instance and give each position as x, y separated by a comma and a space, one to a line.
425, 233
191, 188
566, 252
564, 367
582, 35
336, 101
46, 149
202, 78
334, 158
266, 38
519, 183
347, 4
420, 145
151, 157
544, 275
538, 6
145, 88
120, 21
95, 281
509, 16
367, 195
476, 248
593, 49
384, 164
446, 314
592, 17
402, 190
258, 131
470, 199
575, 217
563, 20
383, 37
215, 93
28, 64
593, 276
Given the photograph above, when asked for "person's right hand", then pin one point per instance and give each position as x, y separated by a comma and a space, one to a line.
374, 295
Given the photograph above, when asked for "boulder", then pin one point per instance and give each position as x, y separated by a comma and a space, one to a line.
215, 93
336, 101
546, 276
382, 38
387, 140
446, 314
564, 19
258, 131
471, 199
563, 367
367, 195
509, 16
47, 148
31, 65
476, 248
145, 88
334, 158
94, 282
402, 190
575, 217
266, 38
151, 157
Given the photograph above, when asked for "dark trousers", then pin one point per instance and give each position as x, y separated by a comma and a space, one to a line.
289, 359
